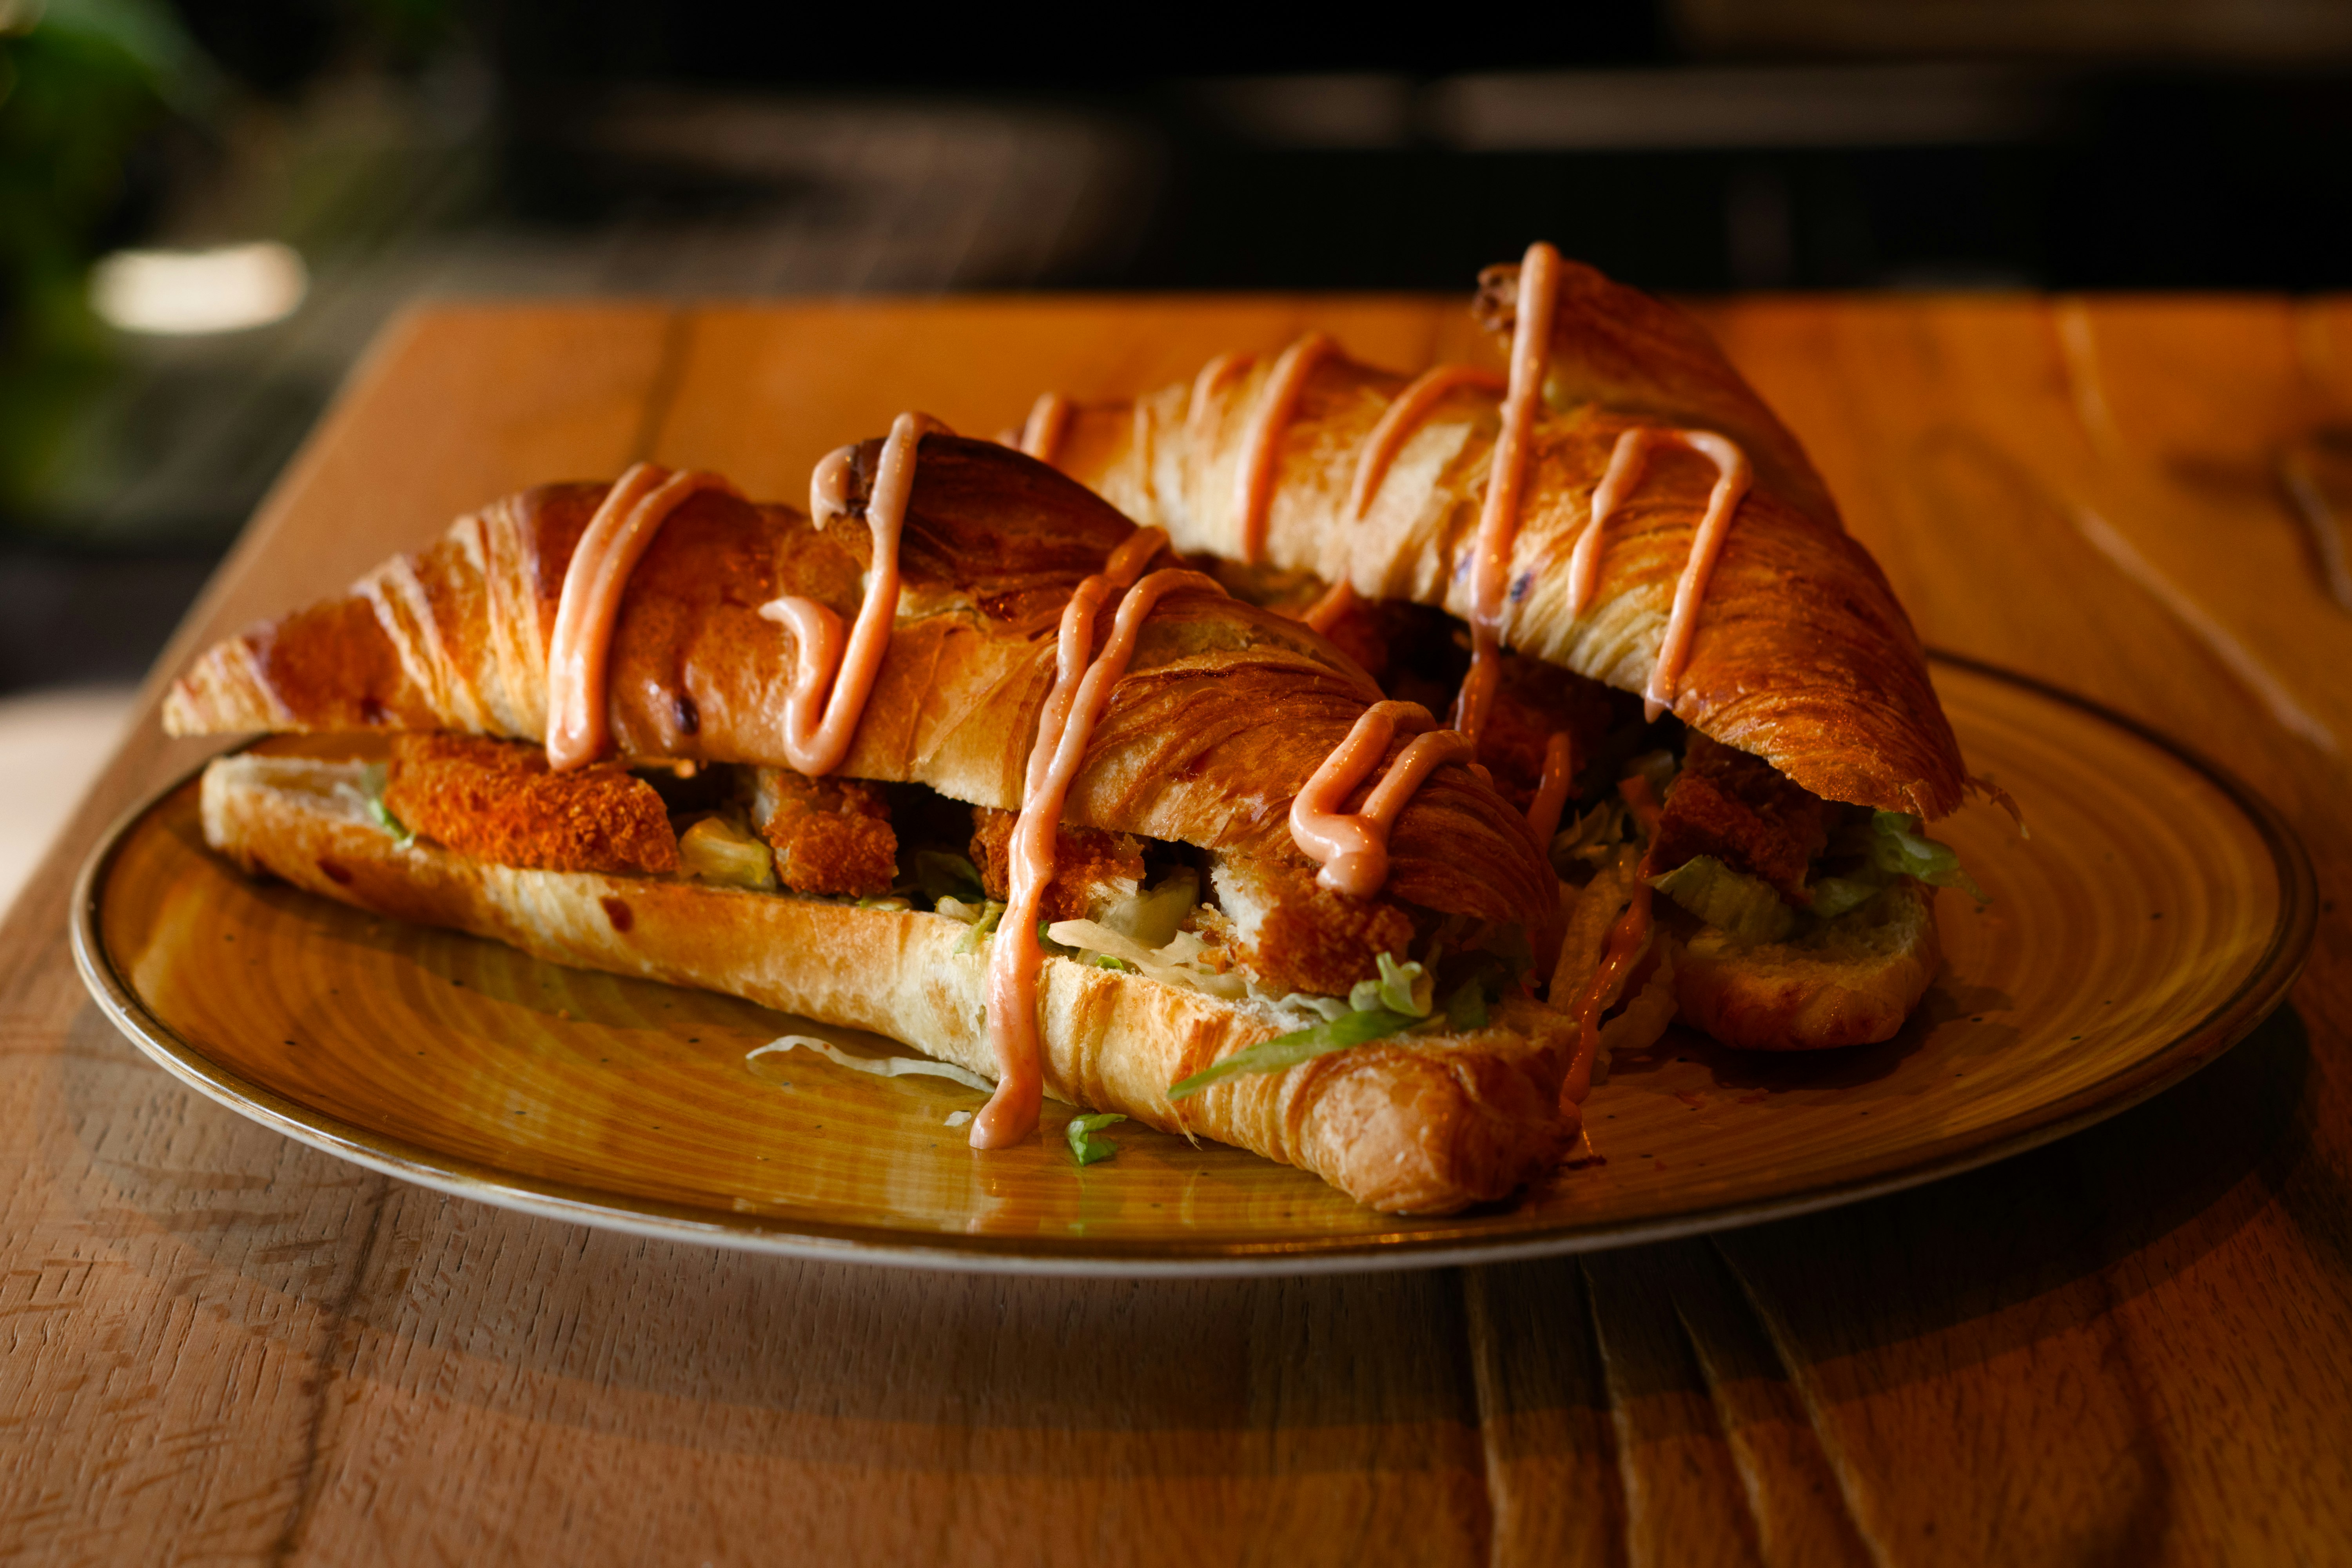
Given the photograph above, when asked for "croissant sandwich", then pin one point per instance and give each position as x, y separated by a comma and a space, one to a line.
961, 756
1626, 578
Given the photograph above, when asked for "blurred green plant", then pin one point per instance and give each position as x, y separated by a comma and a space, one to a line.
82, 84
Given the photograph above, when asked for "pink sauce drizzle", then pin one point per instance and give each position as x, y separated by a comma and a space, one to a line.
1331, 608
1627, 939
1498, 519
1413, 406
626, 523
1626, 463
1201, 413
829, 687
1041, 434
1551, 793
1082, 690
1277, 402
1353, 846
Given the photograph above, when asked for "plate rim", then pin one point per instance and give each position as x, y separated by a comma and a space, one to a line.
2223, 1025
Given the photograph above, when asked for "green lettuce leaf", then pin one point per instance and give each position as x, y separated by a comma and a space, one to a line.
982, 927
1727, 900
1835, 895
1466, 1008
1300, 1045
1897, 847
941, 874
1087, 1145
1398, 990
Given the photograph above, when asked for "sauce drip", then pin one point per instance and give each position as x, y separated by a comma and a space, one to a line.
829, 687
1331, 607
589, 604
1626, 463
1628, 939
1276, 401
1404, 416
1498, 518
1551, 793
1081, 691
1353, 846
1041, 433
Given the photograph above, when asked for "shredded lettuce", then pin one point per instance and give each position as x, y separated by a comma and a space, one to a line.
1466, 1008
881, 1067
1591, 838
402, 837
942, 874
1150, 919
1301, 1045
1120, 965
1898, 847
982, 927
1402, 988
1747, 908
374, 780
1891, 846
1835, 895
1180, 961
715, 850
1088, 1145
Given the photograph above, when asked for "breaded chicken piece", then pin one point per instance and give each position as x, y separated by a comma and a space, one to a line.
498, 802
1532, 702
1295, 934
831, 836
1744, 812
1090, 867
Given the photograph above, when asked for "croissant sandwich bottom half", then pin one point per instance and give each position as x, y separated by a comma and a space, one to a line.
1622, 575
963, 757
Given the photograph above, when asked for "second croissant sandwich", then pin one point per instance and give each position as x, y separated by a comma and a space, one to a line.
963, 757
1623, 576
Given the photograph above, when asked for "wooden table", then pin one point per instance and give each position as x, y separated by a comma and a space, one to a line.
2129, 1346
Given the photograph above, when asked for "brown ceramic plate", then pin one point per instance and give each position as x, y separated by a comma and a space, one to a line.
2158, 912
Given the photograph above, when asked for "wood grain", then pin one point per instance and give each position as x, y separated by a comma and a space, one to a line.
2125, 1347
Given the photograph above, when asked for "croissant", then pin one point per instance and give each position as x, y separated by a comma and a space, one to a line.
1801, 656
1621, 507
1224, 714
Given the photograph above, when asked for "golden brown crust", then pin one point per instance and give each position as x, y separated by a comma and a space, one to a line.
1084, 859
1295, 934
830, 835
1228, 710
496, 801
1428, 1127
1802, 656
1736, 807
1851, 983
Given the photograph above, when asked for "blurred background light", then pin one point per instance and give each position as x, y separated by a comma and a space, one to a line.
225, 289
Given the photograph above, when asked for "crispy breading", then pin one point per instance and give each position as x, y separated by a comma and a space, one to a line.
1532, 702
1087, 863
1297, 935
830, 835
1745, 813
498, 802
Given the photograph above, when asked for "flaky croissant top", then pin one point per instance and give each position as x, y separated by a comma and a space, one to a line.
1802, 656
1225, 713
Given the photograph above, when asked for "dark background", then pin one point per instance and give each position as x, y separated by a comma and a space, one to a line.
408, 148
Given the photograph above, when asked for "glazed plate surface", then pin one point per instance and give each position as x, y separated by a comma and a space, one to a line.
2157, 912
